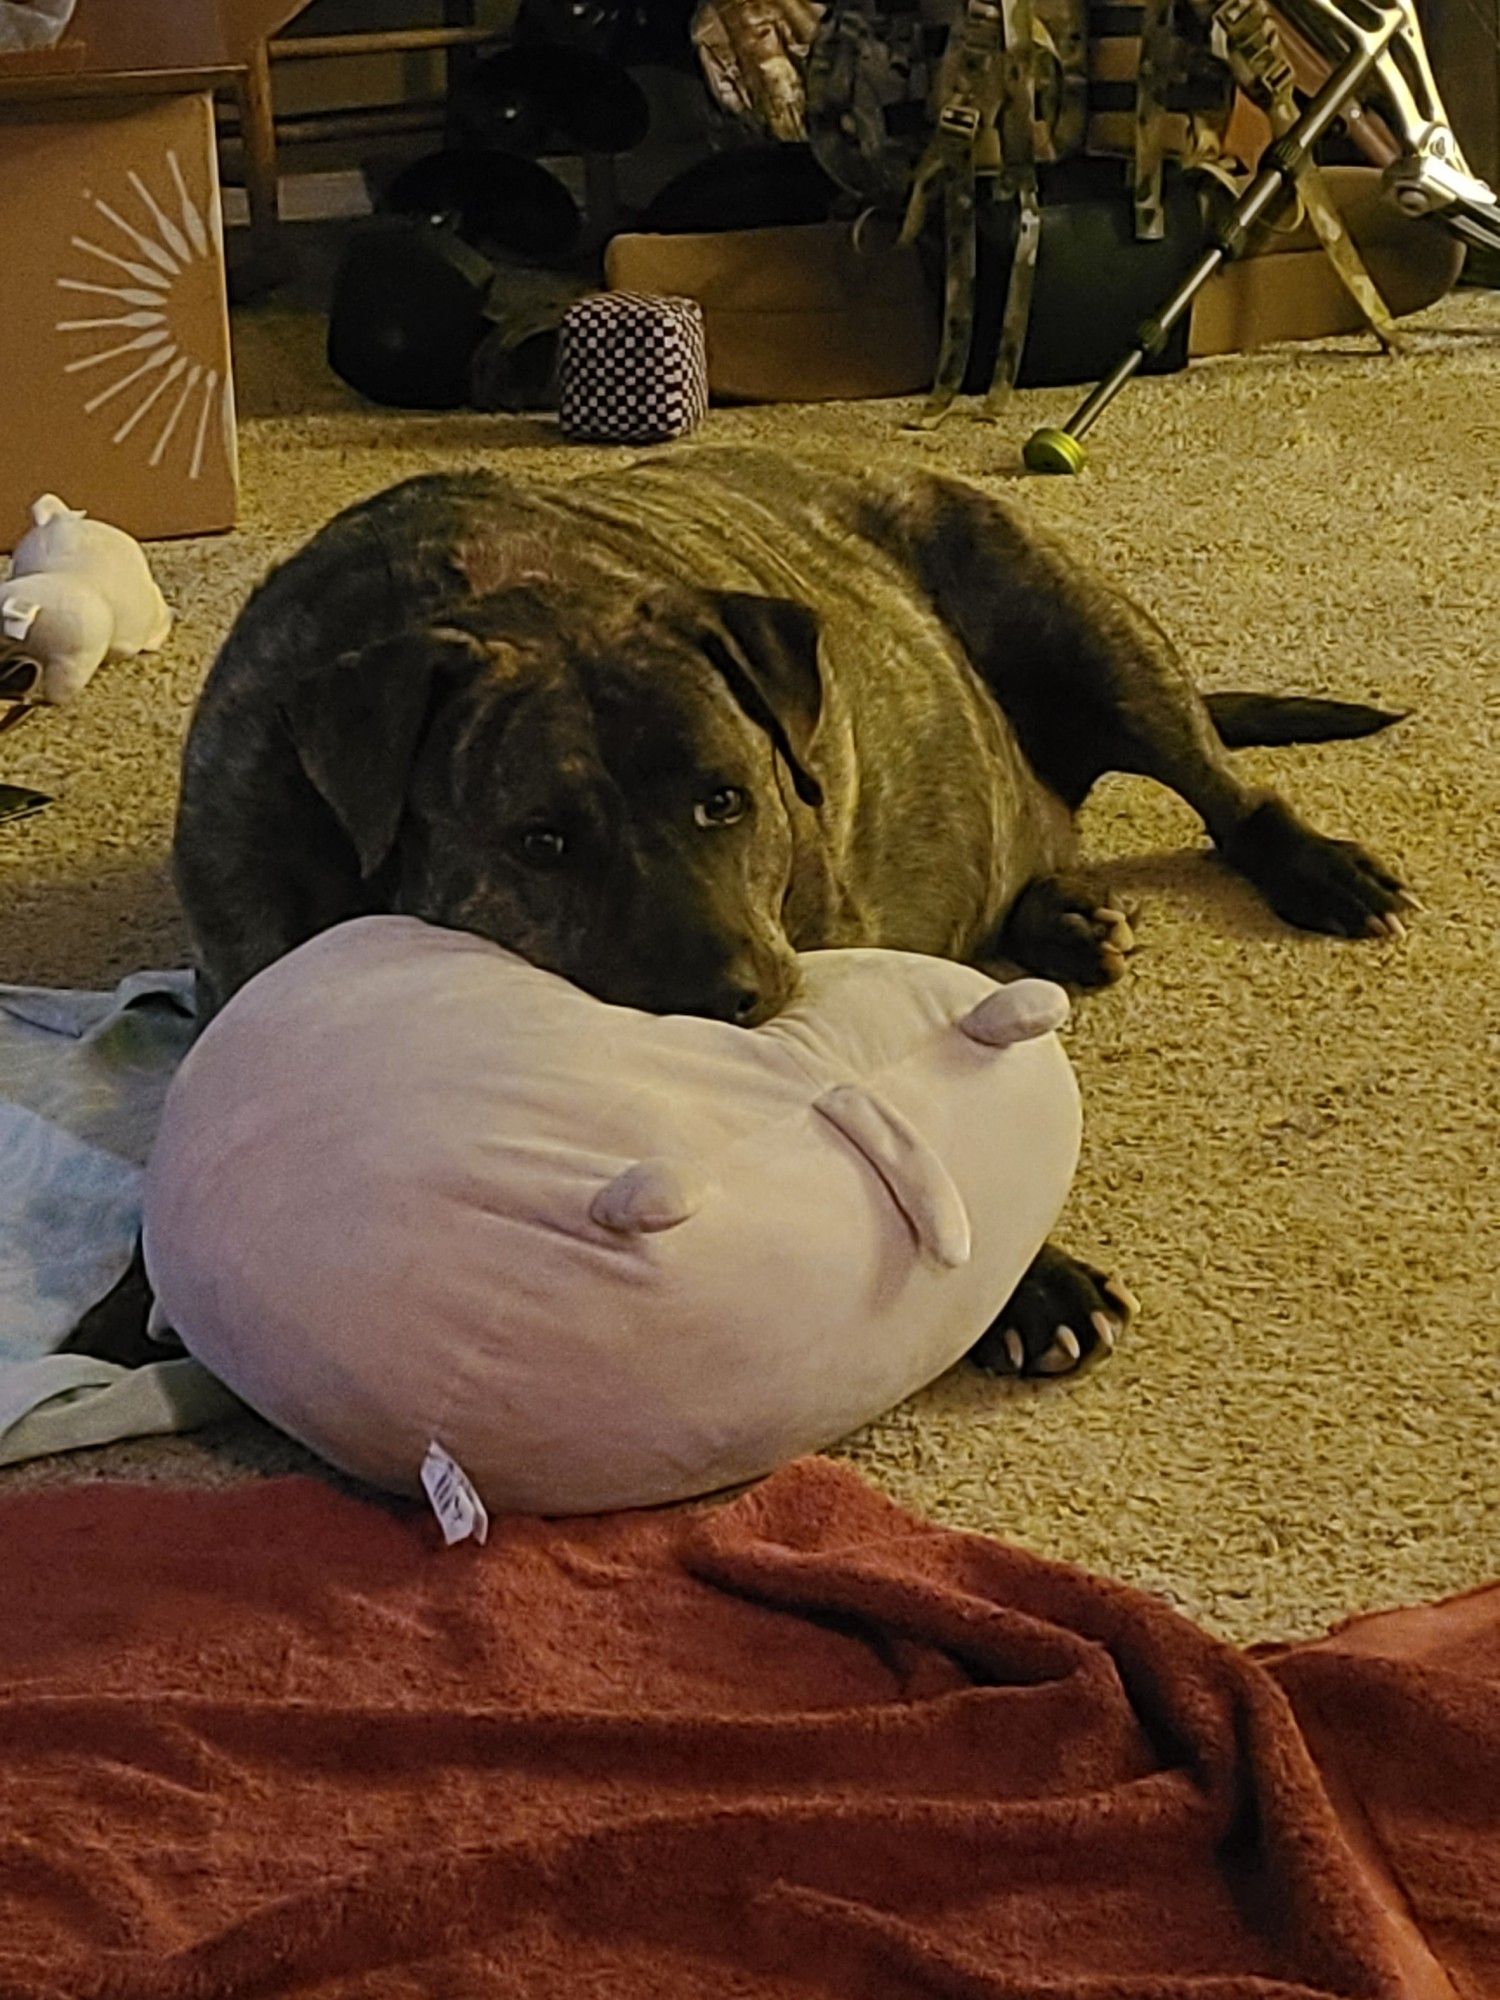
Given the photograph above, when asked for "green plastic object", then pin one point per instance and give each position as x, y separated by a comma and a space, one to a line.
1050, 450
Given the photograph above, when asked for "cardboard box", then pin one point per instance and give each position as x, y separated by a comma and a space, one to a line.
115, 384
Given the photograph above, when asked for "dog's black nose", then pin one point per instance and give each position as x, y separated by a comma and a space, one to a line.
732, 1000
727, 1000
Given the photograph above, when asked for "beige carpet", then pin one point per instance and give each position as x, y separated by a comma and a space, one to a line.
1291, 1142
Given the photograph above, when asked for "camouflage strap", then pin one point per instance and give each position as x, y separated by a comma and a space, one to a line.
1017, 315
1341, 252
1158, 46
970, 87
1062, 120
960, 277
1184, 101
1017, 108
1018, 179
1260, 62
973, 85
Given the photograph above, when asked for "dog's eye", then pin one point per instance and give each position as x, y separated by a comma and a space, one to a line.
721, 808
543, 846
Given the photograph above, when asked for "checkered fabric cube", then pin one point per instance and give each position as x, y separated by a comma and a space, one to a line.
632, 369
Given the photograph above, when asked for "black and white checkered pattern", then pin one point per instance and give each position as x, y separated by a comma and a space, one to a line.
632, 369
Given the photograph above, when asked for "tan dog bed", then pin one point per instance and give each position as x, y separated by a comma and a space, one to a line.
793, 315
798, 315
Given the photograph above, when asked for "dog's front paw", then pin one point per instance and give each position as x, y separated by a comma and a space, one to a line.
1063, 1317
1317, 883
1059, 931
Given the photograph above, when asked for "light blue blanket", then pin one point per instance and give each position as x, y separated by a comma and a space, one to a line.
82, 1080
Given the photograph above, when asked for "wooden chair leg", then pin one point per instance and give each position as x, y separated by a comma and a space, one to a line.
459, 62
601, 195
258, 137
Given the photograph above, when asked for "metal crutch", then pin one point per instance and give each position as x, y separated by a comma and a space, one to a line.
1431, 175
1060, 449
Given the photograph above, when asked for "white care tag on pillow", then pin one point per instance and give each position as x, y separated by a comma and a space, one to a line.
459, 1509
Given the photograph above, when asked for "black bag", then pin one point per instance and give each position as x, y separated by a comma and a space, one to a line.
408, 313
1095, 281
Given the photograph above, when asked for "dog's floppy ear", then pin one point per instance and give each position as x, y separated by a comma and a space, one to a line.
356, 725
767, 650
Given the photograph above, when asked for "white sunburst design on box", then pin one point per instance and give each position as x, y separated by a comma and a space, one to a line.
160, 261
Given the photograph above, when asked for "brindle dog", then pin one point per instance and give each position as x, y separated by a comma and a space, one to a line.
661, 728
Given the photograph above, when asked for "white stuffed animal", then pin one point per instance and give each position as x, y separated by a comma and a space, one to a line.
79, 592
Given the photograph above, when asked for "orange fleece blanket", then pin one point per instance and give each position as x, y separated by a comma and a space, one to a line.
276, 1741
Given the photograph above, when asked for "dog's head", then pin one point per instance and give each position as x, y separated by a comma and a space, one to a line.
597, 792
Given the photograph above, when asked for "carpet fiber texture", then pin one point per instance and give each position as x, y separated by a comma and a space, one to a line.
1290, 1142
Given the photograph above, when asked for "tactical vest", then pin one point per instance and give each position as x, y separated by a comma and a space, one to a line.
915, 102
876, 86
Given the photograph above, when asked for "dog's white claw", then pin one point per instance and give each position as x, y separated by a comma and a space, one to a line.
1015, 1349
1117, 1289
1393, 926
1104, 1327
1062, 1357
1414, 902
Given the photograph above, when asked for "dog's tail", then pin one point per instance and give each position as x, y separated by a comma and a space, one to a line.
1246, 720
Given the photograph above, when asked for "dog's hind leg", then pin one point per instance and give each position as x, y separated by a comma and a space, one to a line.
1090, 683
